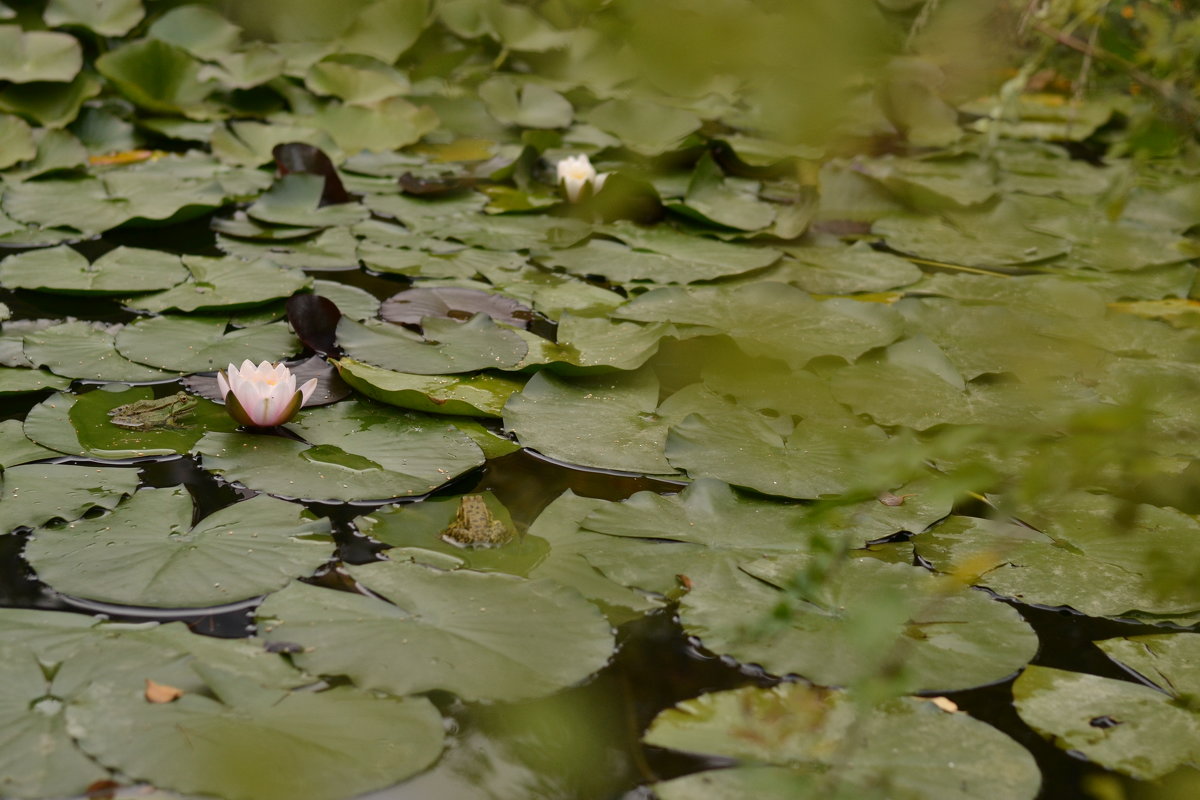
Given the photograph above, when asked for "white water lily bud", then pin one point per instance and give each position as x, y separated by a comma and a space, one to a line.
575, 174
262, 396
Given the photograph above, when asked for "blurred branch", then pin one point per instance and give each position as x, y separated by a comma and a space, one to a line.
1187, 111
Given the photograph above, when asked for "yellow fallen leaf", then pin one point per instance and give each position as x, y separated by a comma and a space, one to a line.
161, 692
126, 157
945, 704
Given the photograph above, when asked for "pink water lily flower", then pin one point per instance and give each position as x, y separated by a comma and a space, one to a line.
578, 178
262, 396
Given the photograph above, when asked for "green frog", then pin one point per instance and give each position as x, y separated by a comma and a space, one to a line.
164, 413
474, 525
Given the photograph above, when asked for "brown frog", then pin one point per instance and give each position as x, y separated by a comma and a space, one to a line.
474, 525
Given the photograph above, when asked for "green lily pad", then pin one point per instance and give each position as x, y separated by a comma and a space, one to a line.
201, 31
330, 249
16, 141
17, 448
994, 238
480, 395
775, 320
352, 451
148, 553
845, 270
50, 104
622, 264
224, 283
22, 380
433, 630
814, 457
356, 79
34, 494
1139, 730
381, 126
689, 247
822, 743
417, 531
927, 633
353, 302
642, 125
39, 758
603, 422
38, 55
155, 75
448, 347
173, 429
525, 103
295, 199
1079, 558
119, 271
88, 351
107, 17
594, 345
200, 344
48, 425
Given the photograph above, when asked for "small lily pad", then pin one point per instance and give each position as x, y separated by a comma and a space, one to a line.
22, 380
447, 347
411, 306
474, 395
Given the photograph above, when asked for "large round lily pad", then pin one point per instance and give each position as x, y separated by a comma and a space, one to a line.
148, 553
827, 744
926, 632
350, 451
133, 423
480, 635
474, 395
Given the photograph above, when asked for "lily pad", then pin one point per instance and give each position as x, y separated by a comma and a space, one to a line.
418, 531
927, 632
38, 55
119, 271
479, 395
148, 553
352, 451
82, 350
22, 380
429, 629
17, 448
295, 199
1078, 548
224, 283
413, 305
171, 428
200, 344
447, 347
603, 422
844, 270
772, 319
106, 17
1140, 730
34, 494
832, 744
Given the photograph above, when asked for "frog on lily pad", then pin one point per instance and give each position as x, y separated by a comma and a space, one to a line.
162, 413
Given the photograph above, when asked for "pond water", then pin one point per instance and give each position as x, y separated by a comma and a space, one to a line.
656, 421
